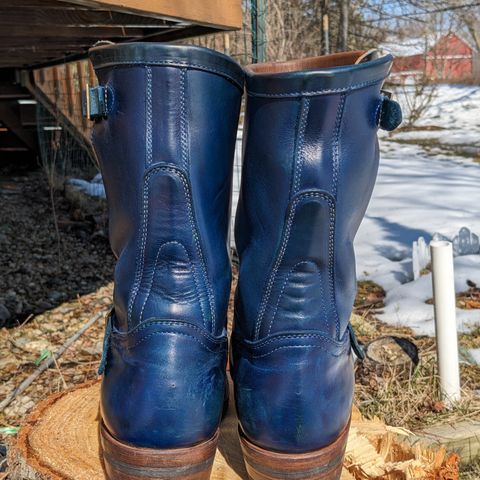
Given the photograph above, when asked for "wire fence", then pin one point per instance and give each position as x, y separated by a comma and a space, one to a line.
62, 154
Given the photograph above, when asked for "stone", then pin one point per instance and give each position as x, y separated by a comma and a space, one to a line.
4, 315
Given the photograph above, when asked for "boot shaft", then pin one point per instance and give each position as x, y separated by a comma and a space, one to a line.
165, 132
166, 151
310, 162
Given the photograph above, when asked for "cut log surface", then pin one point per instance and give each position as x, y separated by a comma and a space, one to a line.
60, 441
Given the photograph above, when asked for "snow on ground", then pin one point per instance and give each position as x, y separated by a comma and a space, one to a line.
455, 110
418, 193
475, 354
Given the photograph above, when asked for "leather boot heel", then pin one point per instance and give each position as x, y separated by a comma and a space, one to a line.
323, 464
126, 462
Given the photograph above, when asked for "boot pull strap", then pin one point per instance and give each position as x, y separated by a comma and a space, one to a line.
95, 102
390, 112
356, 347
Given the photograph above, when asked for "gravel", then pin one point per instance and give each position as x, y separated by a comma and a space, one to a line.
38, 268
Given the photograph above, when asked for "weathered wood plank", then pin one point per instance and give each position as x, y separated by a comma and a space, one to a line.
37, 33
82, 85
47, 31
69, 84
75, 18
225, 14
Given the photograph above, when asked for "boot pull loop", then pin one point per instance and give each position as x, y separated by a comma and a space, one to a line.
106, 343
95, 102
389, 115
356, 347
368, 56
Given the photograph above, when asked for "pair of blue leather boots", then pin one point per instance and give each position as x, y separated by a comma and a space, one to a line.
165, 130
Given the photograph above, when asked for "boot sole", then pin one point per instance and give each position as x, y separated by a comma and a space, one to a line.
126, 462
323, 464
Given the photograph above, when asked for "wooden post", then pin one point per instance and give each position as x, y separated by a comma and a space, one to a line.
56, 86
69, 81
92, 78
82, 83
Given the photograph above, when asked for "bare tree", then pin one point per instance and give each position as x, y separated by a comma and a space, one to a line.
325, 27
342, 41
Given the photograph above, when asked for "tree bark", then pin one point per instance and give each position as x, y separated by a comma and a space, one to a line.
325, 28
342, 44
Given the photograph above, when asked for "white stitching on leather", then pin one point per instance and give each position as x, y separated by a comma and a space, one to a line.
300, 153
143, 339
336, 173
124, 335
277, 338
184, 141
148, 117
336, 145
316, 92
137, 282
174, 64
286, 237
185, 149
298, 346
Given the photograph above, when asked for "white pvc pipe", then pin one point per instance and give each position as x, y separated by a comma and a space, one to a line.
445, 319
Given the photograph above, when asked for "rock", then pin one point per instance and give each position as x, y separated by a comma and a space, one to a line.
42, 305
93, 350
19, 307
4, 315
39, 270
55, 296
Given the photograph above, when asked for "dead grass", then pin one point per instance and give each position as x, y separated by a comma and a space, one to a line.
369, 297
470, 471
411, 401
23, 347
468, 300
470, 339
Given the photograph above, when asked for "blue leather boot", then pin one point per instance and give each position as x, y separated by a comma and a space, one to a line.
310, 162
165, 129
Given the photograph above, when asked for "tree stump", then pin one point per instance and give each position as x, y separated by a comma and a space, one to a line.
59, 441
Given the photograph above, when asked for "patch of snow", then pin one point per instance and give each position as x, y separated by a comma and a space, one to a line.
454, 108
417, 195
405, 304
94, 188
475, 354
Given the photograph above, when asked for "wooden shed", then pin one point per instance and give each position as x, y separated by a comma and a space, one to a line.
448, 59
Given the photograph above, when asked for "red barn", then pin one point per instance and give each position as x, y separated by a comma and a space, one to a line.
447, 59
